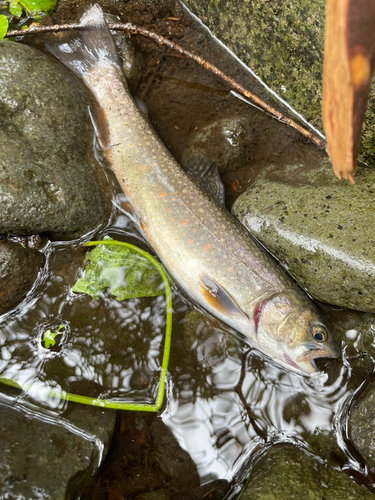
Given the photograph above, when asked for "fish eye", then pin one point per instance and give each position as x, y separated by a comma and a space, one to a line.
319, 333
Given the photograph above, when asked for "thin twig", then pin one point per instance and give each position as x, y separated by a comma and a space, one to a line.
137, 30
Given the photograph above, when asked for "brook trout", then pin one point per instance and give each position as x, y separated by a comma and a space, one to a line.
205, 249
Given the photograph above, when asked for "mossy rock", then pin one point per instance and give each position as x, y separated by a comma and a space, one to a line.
283, 43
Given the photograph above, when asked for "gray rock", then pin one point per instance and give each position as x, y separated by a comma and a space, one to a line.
320, 229
282, 42
48, 182
99, 422
362, 424
176, 462
19, 268
41, 459
286, 473
228, 142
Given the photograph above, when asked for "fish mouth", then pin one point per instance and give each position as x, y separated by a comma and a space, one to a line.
305, 362
319, 352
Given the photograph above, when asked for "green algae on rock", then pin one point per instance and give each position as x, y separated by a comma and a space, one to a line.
320, 229
48, 184
282, 42
285, 472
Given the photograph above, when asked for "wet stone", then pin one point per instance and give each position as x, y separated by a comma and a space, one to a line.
41, 458
96, 421
286, 473
19, 267
47, 182
321, 230
171, 458
362, 424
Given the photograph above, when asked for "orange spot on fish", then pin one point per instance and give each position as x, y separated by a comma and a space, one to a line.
144, 180
207, 247
216, 261
161, 194
186, 211
143, 168
184, 222
153, 185
229, 269
173, 218
190, 241
176, 239
130, 145
169, 210
194, 230
181, 202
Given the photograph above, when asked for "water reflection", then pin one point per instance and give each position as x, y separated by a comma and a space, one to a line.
111, 344
246, 403
226, 402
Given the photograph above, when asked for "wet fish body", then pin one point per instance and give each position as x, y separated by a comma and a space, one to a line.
201, 244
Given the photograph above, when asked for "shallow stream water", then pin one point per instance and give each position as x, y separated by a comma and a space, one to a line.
225, 403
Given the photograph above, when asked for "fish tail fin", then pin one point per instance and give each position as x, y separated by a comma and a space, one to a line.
93, 46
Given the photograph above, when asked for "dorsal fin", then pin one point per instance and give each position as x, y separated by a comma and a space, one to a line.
220, 299
206, 174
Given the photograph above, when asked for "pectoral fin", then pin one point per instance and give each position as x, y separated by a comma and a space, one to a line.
218, 298
206, 174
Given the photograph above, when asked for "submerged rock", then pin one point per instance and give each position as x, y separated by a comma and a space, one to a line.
229, 142
286, 473
47, 182
19, 268
42, 458
320, 229
362, 424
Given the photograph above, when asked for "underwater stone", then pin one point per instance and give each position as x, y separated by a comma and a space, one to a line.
40, 458
47, 182
362, 424
19, 268
228, 142
320, 229
282, 42
285, 472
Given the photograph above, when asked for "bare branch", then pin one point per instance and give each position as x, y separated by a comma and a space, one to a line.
137, 30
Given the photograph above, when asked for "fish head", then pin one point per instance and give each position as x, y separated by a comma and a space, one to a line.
290, 329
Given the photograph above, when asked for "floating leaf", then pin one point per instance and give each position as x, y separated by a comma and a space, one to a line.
36, 8
49, 337
124, 272
3, 26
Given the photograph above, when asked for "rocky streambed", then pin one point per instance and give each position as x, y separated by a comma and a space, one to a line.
232, 420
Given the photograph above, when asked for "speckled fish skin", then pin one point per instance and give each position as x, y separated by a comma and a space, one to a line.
201, 244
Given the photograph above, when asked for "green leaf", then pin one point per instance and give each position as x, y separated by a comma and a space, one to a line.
3, 26
15, 8
12, 383
124, 272
49, 337
37, 8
